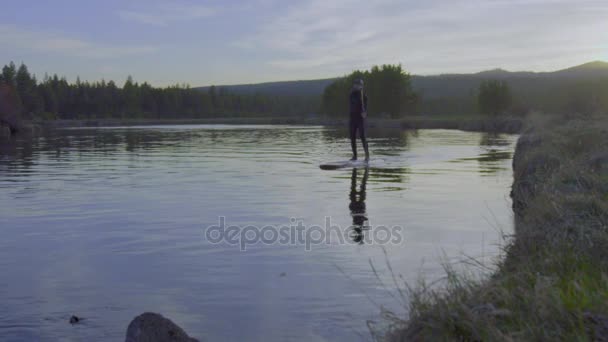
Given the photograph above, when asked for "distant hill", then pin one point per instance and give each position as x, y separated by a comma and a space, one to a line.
595, 69
457, 85
440, 86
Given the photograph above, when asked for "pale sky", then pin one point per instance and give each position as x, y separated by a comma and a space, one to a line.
236, 41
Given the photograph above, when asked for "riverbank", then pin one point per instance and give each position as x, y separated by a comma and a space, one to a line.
466, 123
553, 283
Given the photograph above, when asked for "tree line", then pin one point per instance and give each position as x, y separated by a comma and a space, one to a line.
55, 98
389, 88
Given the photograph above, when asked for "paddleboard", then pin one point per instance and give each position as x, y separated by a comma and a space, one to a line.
344, 164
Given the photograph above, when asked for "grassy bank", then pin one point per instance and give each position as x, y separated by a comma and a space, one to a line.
553, 283
467, 123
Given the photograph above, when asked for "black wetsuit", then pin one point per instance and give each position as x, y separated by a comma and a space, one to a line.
358, 104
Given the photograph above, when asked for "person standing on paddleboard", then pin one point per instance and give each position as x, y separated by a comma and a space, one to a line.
358, 118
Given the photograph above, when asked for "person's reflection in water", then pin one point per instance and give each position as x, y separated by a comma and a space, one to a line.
357, 206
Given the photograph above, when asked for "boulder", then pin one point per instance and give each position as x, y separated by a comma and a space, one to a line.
5, 132
151, 327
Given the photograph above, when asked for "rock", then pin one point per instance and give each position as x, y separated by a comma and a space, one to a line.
5, 132
151, 327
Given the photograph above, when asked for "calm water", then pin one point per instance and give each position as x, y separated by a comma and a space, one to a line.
110, 223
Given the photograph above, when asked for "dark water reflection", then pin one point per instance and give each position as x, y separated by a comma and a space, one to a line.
109, 223
357, 205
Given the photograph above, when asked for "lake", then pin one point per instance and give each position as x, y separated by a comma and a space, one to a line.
234, 232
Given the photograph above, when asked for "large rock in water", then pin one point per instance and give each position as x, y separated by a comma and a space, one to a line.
5, 132
151, 327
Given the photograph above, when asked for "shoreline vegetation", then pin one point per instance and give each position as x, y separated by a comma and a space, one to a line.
553, 283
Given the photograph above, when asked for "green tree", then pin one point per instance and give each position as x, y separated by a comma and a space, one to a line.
25, 86
9, 79
9, 73
388, 88
131, 97
494, 97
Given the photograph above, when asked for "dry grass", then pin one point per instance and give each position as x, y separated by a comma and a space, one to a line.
553, 283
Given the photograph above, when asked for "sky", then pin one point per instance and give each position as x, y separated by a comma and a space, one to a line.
218, 42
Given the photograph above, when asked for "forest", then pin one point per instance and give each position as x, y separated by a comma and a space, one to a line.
55, 98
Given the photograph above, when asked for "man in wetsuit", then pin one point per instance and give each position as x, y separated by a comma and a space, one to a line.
358, 118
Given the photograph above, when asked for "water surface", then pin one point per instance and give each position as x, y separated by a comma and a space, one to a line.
108, 223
